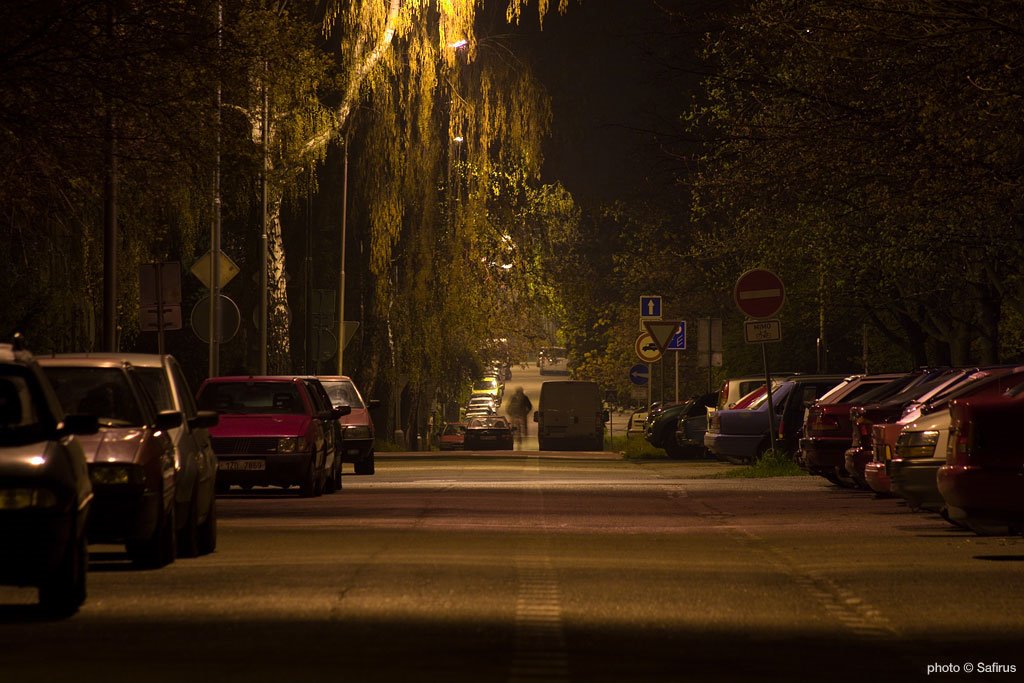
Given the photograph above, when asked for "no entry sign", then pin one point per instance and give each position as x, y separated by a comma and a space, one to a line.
759, 293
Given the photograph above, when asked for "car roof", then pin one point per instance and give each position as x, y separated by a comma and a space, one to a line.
71, 361
260, 378
140, 360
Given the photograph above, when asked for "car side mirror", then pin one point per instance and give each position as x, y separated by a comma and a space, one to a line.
169, 419
81, 425
341, 411
204, 419
373, 403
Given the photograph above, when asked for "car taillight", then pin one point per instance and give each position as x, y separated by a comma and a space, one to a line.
782, 428
958, 450
824, 423
713, 422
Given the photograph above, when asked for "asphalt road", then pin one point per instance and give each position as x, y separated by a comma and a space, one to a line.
544, 567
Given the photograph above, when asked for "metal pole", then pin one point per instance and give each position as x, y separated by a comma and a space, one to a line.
771, 406
264, 253
160, 308
341, 282
213, 368
677, 376
110, 238
307, 276
650, 382
711, 354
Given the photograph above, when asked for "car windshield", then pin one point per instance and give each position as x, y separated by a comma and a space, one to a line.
485, 384
20, 421
343, 393
257, 398
103, 392
453, 430
155, 382
488, 423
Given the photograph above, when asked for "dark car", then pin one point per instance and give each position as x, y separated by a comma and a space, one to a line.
741, 435
357, 426
660, 428
194, 461
332, 432
982, 481
45, 492
272, 432
827, 425
131, 459
692, 425
488, 433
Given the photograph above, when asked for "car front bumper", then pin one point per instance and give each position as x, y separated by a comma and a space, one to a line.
33, 543
915, 481
356, 450
263, 470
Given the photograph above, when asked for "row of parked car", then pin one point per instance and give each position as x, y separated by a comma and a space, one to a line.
943, 438
114, 448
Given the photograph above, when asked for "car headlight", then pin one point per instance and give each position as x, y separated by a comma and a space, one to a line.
917, 444
357, 432
291, 444
20, 499
116, 474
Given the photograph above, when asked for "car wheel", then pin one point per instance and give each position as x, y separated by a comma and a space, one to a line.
675, 451
159, 550
364, 466
307, 488
188, 537
208, 530
64, 591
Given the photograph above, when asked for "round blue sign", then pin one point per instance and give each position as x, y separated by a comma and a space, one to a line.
639, 374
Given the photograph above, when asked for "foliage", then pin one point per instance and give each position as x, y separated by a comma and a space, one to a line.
776, 463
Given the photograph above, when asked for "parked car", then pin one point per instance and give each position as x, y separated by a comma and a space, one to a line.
692, 425
741, 435
981, 482
864, 417
735, 388
453, 436
921, 448
827, 425
661, 429
357, 426
637, 423
45, 492
194, 461
131, 458
488, 387
332, 432
270, 433
488, 433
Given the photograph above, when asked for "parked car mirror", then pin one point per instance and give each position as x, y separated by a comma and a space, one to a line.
373, 403
341, 411
169, 419
204, 419
81, 425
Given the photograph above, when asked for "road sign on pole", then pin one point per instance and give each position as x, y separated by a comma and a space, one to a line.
759, 331
664, 332
639, 374
650, 306
759, 293
646, 349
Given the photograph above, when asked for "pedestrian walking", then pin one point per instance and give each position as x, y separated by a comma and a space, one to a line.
519, 408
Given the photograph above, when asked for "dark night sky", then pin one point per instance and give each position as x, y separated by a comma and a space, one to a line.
613, 69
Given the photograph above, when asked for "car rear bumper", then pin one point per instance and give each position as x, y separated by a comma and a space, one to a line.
277, 470
855, 460
33, 543
983, 498
915, 481
823, 454
877, 477
356, 450
738, 446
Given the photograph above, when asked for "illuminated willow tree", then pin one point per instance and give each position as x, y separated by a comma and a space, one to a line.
445, 219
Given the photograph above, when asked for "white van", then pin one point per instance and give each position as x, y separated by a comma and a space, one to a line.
570, 416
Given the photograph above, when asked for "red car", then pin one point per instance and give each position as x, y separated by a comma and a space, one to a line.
357, 426
826, 430
453, 436
982, 481
273, 431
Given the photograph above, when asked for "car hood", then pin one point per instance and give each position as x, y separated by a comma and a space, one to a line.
260, 425
26, 460
114, 444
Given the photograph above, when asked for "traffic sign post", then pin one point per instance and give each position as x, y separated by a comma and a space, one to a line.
759, 294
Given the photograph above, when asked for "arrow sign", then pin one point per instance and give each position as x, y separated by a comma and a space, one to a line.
639, 375
662, 332
650, 306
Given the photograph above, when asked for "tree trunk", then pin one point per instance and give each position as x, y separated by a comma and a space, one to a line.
279, 356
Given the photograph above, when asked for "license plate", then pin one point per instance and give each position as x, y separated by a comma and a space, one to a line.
244, 465
488, 437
